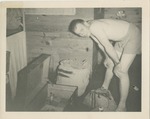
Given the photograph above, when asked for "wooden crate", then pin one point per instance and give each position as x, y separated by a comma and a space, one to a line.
33, 88
32, 79
40, 99
59, 97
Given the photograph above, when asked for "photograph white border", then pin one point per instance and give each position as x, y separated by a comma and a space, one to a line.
144, 114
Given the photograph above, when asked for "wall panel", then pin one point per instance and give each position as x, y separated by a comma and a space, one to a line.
16, 44
55, 23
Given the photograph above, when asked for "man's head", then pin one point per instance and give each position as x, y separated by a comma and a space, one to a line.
80, 28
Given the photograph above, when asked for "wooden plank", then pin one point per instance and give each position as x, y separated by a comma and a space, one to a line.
37, 101
46, 67
55, 23
63, 96
59, 42
51, 11
39, 60
29, 79
34, 77
21, 89
64, 44
60, 34
31, 97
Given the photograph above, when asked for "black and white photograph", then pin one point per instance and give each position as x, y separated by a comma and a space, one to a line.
75, 59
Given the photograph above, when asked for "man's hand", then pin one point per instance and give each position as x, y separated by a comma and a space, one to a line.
108, 63
118, 66
118, 69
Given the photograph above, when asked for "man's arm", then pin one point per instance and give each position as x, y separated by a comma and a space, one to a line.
100, 46
103, 40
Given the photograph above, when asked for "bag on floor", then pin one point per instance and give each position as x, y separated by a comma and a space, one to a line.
100, 100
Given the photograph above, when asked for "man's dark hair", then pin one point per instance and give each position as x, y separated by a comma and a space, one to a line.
74, 23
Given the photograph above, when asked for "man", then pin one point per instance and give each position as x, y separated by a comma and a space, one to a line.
119, 57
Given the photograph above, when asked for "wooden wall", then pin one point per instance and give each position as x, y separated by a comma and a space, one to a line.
55, 23
49, 34
61, 46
